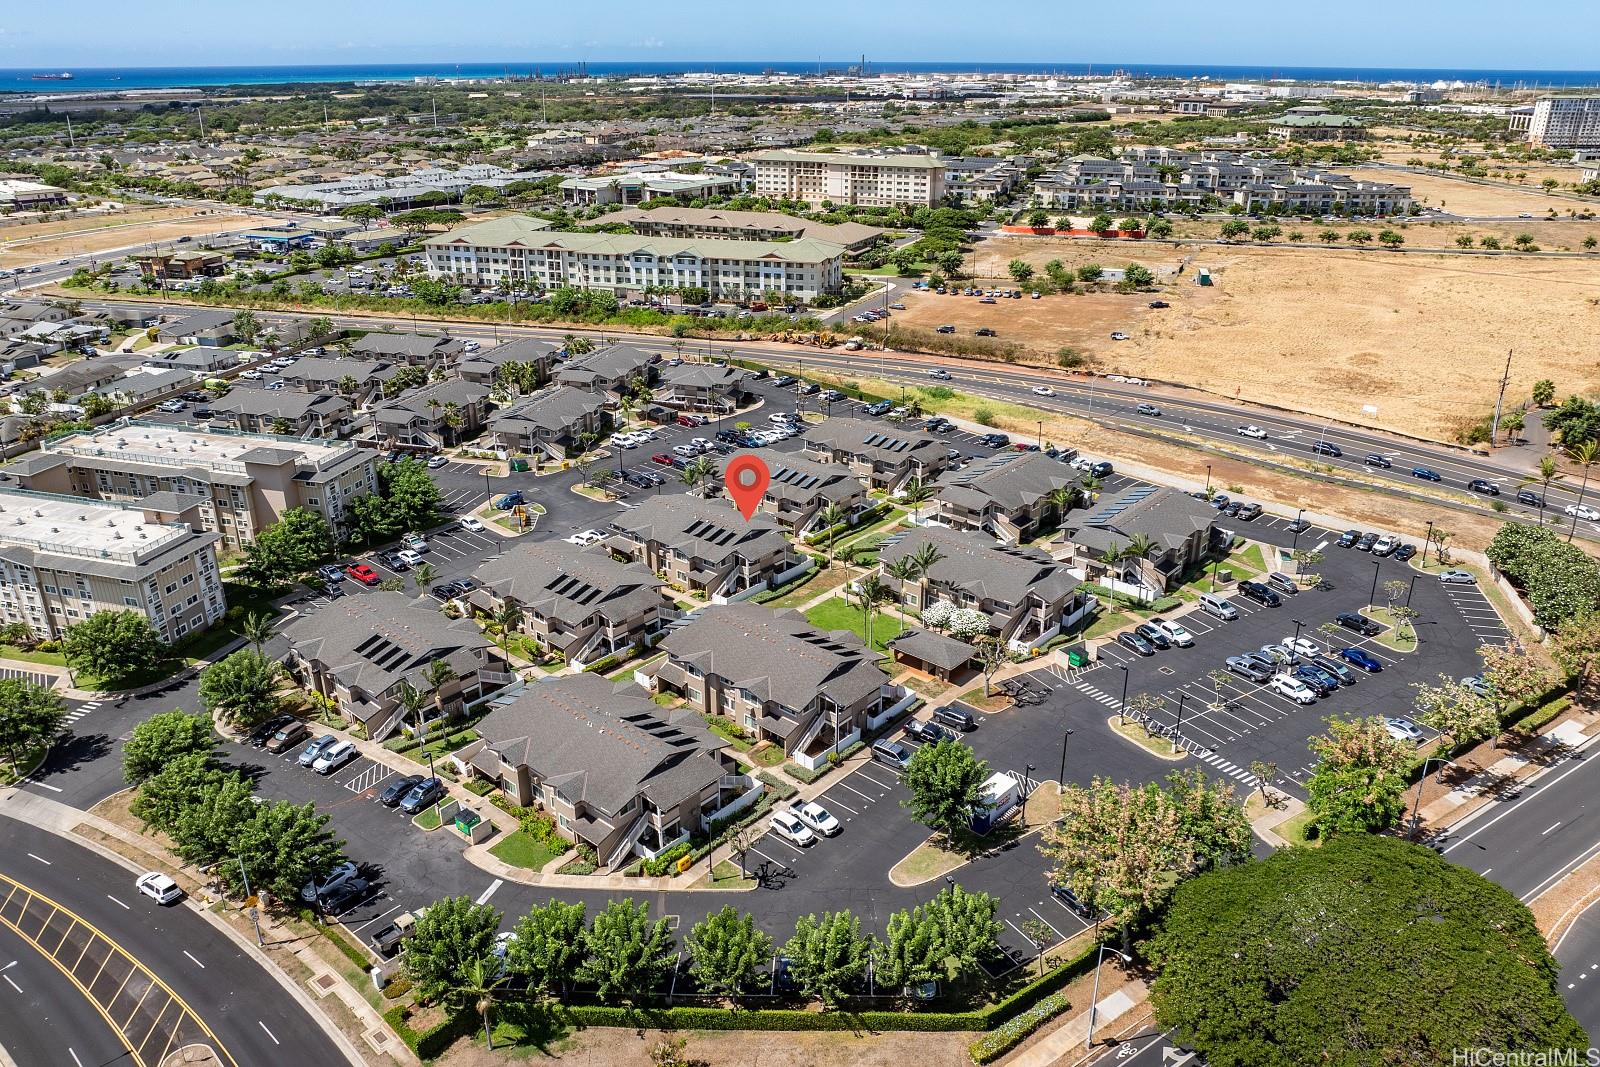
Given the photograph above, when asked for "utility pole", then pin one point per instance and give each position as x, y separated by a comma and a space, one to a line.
71, 141
1505, 379
255, 911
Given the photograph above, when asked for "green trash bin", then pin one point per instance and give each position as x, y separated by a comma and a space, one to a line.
466, 820
1076, 658
519, 466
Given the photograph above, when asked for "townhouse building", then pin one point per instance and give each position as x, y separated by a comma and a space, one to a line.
432, 417
617, 772
410, 349
610, 371
869, 181
63, 558
484, 366
704, 546
882, 456
208, 328
1010, 496
579, 602
778, 678
800, 490
234, 484
363, 651
1028, 596
285, 411
360, 380
553, 424
520, 250
705, 387
1179, 533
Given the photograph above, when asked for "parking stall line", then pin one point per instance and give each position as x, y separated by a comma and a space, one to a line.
834, 801
861, 773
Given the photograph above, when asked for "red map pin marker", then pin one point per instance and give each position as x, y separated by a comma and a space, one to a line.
747, 477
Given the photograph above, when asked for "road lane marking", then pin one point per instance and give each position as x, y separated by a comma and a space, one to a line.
10, 983
41, 859
269, 1033
1551, 827
483, 898
117, 902
196, 962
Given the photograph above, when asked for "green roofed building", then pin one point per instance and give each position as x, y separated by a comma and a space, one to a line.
1318, 128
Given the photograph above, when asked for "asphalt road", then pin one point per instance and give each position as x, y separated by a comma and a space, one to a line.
1528, 841
1185, 414
247, 1011
1578, 952
44, 1019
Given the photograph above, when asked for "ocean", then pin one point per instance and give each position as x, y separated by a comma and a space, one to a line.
135, 78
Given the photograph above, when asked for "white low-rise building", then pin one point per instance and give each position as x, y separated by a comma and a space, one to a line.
850, 179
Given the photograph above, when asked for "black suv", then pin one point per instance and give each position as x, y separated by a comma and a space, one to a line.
1153, 635
1366, 542
996, 440
1327, 448
929, 733
1481, 485
1349, 538
1260, 594
1377, 459
1530, 498
1359, 623
260, 734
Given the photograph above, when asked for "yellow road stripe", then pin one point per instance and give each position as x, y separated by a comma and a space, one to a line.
143, 997
215, 1042
71, 926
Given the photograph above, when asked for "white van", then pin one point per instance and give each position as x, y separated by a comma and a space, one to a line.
1218, 606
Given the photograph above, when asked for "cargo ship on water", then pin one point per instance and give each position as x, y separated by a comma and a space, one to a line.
64, 76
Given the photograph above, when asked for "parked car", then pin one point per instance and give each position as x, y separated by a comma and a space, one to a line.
1302, 646
388, 940
396, 561
1260, 594
319, 887
471, 524
309, 754
287, 735
1320, 681
1283, 583
333, 757
509, 500
1175, 632
1135, 643
415, 542
1249, 512
1296, 690
263, 733
817, 818
1153, 635
396, 791
363, 573
1349, 538
1281, 655
158, 887
1368, 539
435, 462
1298, 526
329, 572
1402, 729
1361, 658
1359, 623
1248, 668
425, 793
1478, 684
1118, 335
1384, 545
891, 754
789, 827
1328, 663
1458, 578
1404, 553
927, 732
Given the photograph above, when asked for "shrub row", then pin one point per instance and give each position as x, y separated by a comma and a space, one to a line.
1011, 1033
666, 861
432, 1042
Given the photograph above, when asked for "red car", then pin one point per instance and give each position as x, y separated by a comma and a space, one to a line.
661, 458
363, 574
684, 420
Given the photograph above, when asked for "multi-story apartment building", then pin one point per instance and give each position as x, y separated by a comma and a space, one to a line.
521, 249
715, 224
642, 187
435, 416
551, 425
282, 411
1563, 122
704, 546
799, 491
882, 457
63, 558
236, 484
578, 602
1011, 495
778, 677
872, 181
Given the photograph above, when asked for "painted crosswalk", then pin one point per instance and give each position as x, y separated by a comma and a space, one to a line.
82, 710
1096, 694
1232, 770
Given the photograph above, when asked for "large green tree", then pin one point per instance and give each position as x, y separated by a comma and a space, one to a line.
828, 954
284, 846
548, 946
1122, 848
180, 783
113, 646
449, 937
298, 541
946, 784
410, 494
943, 939
727, 951
242, 688
628, 954
208, 828
1359, 782
30, 715
1365, 951
164, 737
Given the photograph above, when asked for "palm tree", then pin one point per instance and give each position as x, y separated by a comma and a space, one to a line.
697, 471
412, 699
509, 617
926, 558
257, 627
481, 981
1060, 501
1549, 471
1139, 546
904, 571
871, 592
915, 491
1089, 486
1585, 454
831, 517
423, 574
437, 674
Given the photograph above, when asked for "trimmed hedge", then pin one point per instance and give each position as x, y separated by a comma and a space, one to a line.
1011, 1033
433, 1042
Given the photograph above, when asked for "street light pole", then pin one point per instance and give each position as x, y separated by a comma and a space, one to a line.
1095, 998
1377, 564
255, 912
1124, 705
1412, 588
1208, 479
1427, 544
1177, 730
1416, 806
1061, 782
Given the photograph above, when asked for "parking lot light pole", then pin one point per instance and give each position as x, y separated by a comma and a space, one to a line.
1124, 705
1208, 479
1416, 806
1301, 514
1427, 544
1061, 782
1297, 625
1412, 588
1177, 730
1377, 565
1094, 999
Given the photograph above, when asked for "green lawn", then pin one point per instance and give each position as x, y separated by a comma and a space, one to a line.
1105, 623
1250, 559
521, 849
837, 614
1393, 636
55, 659
816, 582
428, 818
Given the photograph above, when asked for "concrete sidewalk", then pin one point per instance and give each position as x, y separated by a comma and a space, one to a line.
1065, 1042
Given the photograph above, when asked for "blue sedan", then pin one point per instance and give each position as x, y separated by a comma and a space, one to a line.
1365, 660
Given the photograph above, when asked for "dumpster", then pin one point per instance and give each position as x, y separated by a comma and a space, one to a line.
519, 466
466, 820
1077, 658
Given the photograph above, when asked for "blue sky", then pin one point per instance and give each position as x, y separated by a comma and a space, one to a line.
1534, 34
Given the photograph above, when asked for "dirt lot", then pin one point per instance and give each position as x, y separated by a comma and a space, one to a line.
48, 249
1467, 198
1422, 338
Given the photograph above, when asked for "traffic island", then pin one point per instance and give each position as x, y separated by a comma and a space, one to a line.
1160, 747
1399, 635
939, 855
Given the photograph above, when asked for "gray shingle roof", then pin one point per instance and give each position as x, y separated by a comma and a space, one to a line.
940, 650
376, 639
549, 409
1162, 514
604, 744
709, 530
614, 363
403, 344
1011, 480
999, 573
569, 584
277, 403
879, 442
778, 656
